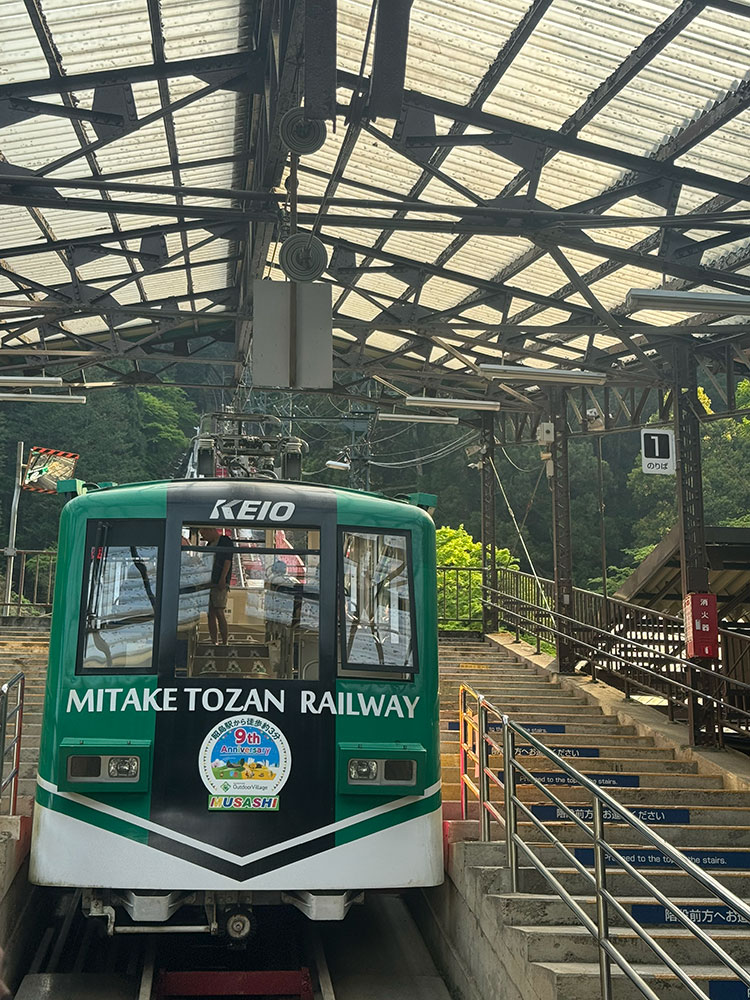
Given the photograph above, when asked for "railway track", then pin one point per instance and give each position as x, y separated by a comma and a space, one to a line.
376, 953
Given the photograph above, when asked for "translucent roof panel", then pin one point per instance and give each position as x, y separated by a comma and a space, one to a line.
549, 156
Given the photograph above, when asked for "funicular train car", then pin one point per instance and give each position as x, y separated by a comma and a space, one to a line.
298, 762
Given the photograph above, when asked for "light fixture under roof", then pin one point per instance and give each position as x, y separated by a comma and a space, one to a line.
525, 373
25, 397
30, 381
411, 418
665, 300
451, 404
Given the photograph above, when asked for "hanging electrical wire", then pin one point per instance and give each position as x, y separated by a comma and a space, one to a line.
433, 457
530, 504
520, 534
439, 453
513, 463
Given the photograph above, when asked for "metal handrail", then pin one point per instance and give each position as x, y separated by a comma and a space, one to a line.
660, 618
460, 586
477, 750
29, 586
688, 667
12, 715
679, 660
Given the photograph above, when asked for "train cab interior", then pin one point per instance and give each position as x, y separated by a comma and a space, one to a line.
264, 603
249, 602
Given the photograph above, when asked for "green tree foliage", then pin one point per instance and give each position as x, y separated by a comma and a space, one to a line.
122, 435
725, 449
460, 590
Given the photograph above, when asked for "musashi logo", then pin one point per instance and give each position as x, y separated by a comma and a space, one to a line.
255, 803
252, 510
243, 758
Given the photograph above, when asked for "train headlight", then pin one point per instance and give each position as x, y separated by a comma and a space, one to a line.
363, 770
123, 767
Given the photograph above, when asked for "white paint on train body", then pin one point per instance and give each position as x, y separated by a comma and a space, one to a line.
191, 699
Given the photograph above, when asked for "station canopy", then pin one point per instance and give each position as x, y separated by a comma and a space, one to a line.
546, 157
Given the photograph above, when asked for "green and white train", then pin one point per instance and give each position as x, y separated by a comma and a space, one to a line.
299, 762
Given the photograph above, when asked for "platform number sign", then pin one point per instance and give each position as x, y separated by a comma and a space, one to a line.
657, 452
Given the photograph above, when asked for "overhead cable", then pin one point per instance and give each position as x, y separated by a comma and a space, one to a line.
520, 535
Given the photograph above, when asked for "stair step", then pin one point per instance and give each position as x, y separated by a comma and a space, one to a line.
606, 725
574, 944
643, 796
564, 715
539, 909
626, 767
580, 981
604, 742
679, 835
612, 781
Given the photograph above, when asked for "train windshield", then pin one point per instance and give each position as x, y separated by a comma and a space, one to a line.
120, 597
377, 603
249, 603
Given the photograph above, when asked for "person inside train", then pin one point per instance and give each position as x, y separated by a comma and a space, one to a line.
221, 572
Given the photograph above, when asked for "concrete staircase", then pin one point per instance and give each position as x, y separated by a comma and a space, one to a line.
532, 936
25, 648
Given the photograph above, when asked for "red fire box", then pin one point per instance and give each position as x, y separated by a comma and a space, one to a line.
701, 626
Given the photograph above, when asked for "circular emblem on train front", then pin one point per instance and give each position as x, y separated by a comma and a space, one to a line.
245, 755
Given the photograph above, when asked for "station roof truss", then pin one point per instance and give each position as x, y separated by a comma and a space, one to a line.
545, 158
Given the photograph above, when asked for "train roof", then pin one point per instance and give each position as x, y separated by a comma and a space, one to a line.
177, 489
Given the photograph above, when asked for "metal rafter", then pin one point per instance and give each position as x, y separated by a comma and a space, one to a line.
54, 61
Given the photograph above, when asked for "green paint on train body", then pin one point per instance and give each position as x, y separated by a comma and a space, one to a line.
367, 511
131, 502
150, 501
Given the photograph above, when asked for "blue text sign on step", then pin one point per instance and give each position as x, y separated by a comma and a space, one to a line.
727, 989
698, 913
645, 857
497, 727
560, 778
560, 751
586, 813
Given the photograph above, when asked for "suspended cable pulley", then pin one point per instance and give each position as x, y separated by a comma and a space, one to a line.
301, 135
303, 257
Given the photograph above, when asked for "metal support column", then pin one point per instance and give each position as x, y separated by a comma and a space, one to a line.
10, 551
489, 575
693, 555
566, 659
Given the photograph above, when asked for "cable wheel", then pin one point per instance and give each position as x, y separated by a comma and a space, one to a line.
301, 135
303, 257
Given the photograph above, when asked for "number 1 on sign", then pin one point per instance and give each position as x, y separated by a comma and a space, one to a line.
658, 452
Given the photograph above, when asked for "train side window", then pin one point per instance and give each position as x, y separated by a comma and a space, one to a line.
257, 618
376, 604
120, 598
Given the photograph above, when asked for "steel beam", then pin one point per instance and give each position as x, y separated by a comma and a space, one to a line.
583, 148
693, 552
320, 59
561, 533
495, 72
249, 64
489, 564
640, 57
